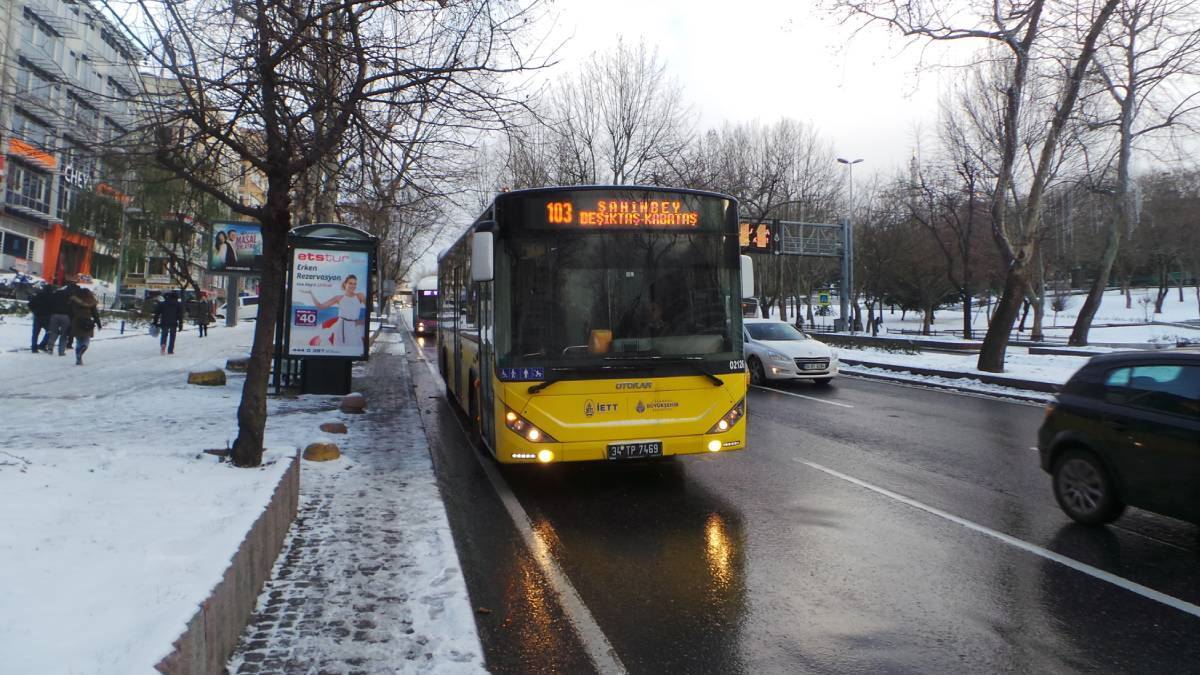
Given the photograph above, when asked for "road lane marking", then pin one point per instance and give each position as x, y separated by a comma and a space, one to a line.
1095, 572
595, 642
811, 398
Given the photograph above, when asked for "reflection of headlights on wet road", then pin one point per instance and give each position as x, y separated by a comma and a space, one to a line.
718, 551
421, 342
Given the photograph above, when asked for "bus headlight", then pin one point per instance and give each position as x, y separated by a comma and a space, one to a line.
726, 423
525, 429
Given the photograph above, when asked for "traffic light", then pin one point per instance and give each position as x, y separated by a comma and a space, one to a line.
755, 237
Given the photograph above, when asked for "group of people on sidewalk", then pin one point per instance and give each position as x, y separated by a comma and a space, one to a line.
71, 315
68, 314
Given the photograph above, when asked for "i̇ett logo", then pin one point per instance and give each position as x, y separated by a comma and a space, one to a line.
589, 408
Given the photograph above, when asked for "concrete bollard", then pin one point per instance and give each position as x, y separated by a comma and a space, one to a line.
321, 452
207, 378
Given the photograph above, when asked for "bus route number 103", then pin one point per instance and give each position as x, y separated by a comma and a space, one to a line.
560, 213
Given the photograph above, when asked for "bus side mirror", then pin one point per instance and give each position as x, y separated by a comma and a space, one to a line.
481, 256
747, 277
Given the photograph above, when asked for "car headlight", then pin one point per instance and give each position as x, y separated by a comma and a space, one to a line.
772, 354
730, 418
525, 429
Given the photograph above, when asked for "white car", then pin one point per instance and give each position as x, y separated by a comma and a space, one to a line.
247, 308
776, 350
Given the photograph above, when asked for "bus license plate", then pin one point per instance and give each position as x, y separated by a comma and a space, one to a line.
635, 450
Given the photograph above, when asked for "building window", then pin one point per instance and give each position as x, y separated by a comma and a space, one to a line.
17, 246
38, 34
32, 131
28, 188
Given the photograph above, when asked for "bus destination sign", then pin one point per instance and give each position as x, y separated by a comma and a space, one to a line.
621, 213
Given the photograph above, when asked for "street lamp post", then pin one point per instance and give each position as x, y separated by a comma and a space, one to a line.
848, 248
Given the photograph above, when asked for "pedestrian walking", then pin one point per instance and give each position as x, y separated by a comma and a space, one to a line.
85, 317
41, 304
168, 316
202, 312
60, 319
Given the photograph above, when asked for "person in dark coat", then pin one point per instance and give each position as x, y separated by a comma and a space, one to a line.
84, 318
168, 316
202, 313
60, 318
40, 304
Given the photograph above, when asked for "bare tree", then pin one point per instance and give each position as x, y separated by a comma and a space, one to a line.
1150, 45
632, 131
1053, 42
253, 69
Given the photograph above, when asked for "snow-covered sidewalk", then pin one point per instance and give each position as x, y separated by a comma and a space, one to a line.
117, 525
369, 579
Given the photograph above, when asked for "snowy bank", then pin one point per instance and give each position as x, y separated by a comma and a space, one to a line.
120, 526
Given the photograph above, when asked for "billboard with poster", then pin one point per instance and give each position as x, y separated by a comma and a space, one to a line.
236, 248
329, 303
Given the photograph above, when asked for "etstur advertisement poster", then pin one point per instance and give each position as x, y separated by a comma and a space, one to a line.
329, 303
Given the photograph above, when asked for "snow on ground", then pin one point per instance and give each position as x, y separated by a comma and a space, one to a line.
957, 383
1112, 310
16, 331
1019, 363
118, 526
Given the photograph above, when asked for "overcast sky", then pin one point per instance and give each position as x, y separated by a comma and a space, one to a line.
767, 59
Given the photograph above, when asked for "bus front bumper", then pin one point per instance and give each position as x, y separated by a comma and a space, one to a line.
512, 449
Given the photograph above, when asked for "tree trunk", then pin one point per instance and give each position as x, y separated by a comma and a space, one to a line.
967, 315
926, 319
1083, 323
1024, 315
1164, 287
252, 412
995, 342
1039, 314
1127, 291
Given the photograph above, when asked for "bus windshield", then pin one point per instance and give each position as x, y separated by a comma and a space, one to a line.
576, 298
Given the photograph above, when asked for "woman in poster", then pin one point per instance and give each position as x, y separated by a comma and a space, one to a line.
350, 305
221, 250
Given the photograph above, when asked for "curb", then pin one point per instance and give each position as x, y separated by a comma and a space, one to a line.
213, 632
1000, 380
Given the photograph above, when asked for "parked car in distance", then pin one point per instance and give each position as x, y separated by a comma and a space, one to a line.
247, 308
776, 350
1125, 431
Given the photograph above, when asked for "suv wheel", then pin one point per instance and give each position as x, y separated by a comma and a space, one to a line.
1084, 490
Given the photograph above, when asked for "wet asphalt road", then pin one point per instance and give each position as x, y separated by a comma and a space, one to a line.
803, 555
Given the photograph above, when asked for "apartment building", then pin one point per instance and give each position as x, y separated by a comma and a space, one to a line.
68, 78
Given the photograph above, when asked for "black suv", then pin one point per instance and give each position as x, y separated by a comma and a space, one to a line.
1125, 430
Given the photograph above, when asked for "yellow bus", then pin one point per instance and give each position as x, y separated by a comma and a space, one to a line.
597, 323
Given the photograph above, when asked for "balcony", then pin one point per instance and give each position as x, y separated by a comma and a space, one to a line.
42, 61
62, 24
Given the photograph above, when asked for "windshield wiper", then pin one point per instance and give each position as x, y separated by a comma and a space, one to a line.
533, 389
691, 361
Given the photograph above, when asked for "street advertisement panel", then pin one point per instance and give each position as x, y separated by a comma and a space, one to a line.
329, 303
236, 248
